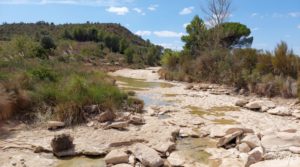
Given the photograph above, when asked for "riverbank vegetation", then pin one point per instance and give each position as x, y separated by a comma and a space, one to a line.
60, 71
222, 54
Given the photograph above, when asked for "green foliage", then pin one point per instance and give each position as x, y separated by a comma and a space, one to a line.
170, 59
47, 43
129, 52
196, 40
44, 74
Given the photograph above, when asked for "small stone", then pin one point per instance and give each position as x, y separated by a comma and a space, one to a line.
241, 102
255, 156
53, 125
116, 157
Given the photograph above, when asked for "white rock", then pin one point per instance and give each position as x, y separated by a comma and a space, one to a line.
122, 165
116, 157
175, 159
252, 140
290, 162
226, 139
244, 148
164, 147
147, 155
295, 150
52, 125
281, 110
280, 141
254, 105
241, 102
255, 156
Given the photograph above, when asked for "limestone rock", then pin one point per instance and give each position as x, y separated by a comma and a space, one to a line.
254, 105
52, 125
252, 140
281, 110
164, 147
228, 138
118, 125
280, 141
147, 156
241, 102
175, 159
106, 116
186, 132
289, 162
295, 150
255, 156
122, 165
244, 148
137, 120
62, 145
116, 157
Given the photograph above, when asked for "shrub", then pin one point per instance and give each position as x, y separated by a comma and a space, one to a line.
47, 43
44, 74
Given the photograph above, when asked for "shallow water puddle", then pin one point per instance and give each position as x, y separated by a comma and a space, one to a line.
82, 162
141, 83
215, 112
194, 148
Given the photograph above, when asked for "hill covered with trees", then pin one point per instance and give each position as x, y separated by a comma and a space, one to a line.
80, 41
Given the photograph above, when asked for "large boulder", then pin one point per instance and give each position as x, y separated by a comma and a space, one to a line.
62, 145
281, 110
147, 156
295, 150
252, 140
116, 157
280, 141
222, 130
164, 147
260, 105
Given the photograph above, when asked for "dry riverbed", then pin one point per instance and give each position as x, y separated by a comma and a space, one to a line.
183, 126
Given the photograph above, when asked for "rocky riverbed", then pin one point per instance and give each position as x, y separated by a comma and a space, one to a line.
183, 125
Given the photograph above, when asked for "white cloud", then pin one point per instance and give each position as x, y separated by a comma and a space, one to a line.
294, 14
69, 2
143, 33
152, 7
187, 10
168, 34
138, 10
118, 10
298, 26
173, 46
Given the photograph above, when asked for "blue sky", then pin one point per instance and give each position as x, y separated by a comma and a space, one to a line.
163, 21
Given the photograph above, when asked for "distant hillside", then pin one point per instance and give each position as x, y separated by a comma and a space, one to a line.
7, 31
103, 39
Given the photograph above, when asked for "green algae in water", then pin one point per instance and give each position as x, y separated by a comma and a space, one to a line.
141, 83
225, 121
82, 162
170, 95
214, 111
194, 148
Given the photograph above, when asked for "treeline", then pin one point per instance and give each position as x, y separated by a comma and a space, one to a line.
79, 41
222, 54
